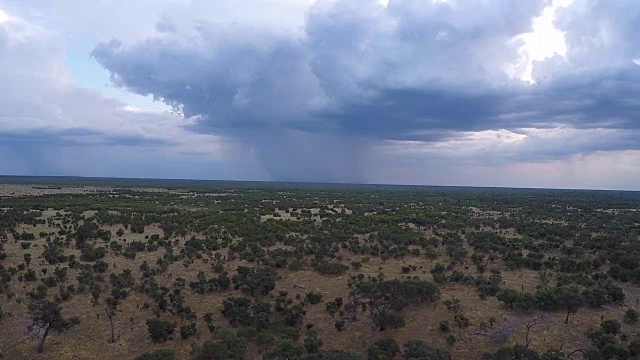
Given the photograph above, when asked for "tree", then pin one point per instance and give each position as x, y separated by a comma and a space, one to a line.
159, 354
187, 331
385, 299
340, 355
285, 350
228, 345
47, 316
418, 349
610, 327
388, 318
516, 352
85, 233
311, 342
252, 280
508, 296
111, 309
383, 349
313, 297
160, 330
27, 259
570, 300
237, 310
631, 316
529, 325
261, 315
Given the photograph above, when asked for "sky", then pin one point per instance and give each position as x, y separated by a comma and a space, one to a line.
527, 93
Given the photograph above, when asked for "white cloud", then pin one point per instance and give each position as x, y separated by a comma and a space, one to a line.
43, 98
507, 146
542, 43
3, 17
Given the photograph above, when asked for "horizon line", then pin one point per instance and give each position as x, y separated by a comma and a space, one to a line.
306, 183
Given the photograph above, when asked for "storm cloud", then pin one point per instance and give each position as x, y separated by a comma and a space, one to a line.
345, 90
392, 73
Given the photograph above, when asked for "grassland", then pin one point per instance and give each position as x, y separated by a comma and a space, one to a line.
529, 240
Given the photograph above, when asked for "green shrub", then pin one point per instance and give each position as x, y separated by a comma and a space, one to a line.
610, 327
159, 354
418, 349
313, 297
444, 326
631, 316
227, 345
187, 331
160, 330
451, 339
383, 349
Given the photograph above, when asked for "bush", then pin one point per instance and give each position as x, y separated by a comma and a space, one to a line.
340, 355
339, 324
137, 246
514, 352
247, 332
187, 331
237, 310
444, 326
159, 354
330, 268
285, 350
265, 339
610, 327
93, 254
160, 330
334, 306
136, 228
388, 319
208, 318
631, 316
30, 275
252, 280
462, 321
100, 266
313, 297
451, 339
418, 349
383, 349
115, 246
311, 342
228, 345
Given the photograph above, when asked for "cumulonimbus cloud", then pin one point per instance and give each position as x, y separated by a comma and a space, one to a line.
413, 70
388, 72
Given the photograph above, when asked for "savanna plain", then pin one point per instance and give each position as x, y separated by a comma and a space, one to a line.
170, 269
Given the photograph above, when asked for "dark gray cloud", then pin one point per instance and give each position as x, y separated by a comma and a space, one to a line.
386, 73
323, 102
311, 105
